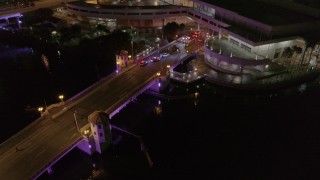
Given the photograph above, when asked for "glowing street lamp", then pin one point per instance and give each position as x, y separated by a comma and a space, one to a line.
158, 75
196, 94
61, 97
40, 109
168, 68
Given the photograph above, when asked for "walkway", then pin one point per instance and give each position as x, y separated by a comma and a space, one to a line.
273, 77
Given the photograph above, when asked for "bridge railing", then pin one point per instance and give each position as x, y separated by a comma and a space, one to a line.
57, 158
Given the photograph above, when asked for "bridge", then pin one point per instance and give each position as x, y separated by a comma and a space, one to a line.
33, 150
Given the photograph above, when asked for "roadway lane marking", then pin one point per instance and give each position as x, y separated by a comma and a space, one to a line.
42, 151
72, 129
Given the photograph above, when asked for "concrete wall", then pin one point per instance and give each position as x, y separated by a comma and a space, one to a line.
87, 145
269, 50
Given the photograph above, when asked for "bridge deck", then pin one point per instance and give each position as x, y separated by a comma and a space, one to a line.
27, 152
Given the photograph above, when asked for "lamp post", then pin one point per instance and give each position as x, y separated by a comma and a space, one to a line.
40, 109
158, 75
118, 66
61, 97
75, 114
168, 69
132, 47
131, 42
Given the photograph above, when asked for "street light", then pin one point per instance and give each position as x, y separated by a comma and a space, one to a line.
61, 97
75, 113
168, 68
158, 75
40, 109
131, 42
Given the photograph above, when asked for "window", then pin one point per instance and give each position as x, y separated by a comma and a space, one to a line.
245, 47
234, 42
100, 134
99, 126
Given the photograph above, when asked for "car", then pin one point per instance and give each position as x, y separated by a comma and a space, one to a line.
155, 59
164, 54
143, 63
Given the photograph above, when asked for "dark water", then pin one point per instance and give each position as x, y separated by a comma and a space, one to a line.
223, 134
27, 82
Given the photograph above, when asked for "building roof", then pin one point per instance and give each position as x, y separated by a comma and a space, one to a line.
98, 117
265, 13
107, 5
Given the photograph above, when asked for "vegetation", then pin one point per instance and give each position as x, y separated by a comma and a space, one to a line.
173, 30
37, 16
17, 3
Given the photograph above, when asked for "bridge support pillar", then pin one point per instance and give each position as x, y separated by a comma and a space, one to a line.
49, 170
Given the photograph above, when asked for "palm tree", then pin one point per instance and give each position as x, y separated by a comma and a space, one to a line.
317, 53
312, 46
310, 42
297, 50
287, 53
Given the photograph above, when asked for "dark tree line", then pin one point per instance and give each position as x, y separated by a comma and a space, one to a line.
173, 30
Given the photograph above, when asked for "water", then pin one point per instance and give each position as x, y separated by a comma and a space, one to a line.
223, 134
28, 80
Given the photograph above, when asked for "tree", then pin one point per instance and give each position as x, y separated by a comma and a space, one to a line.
311, 39
182, 28
170, 30
102, 28
287, 53
38, 16
297, 50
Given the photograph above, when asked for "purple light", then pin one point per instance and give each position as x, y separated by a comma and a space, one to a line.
159, 102
93, 165
117, 71
89, 146
19, 22
159, 84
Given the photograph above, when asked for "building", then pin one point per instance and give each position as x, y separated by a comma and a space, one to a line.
257, 26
